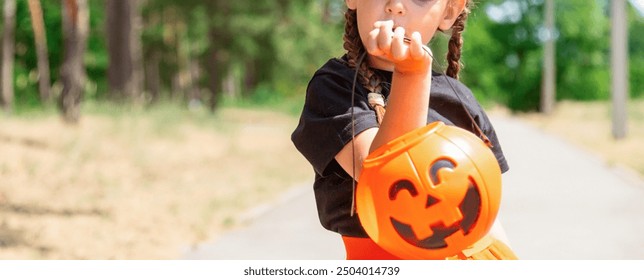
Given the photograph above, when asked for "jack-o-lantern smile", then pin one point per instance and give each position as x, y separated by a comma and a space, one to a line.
469, 207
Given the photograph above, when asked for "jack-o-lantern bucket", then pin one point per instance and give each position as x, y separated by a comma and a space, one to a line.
430, 193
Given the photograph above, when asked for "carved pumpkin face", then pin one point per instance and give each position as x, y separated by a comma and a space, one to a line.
429, 194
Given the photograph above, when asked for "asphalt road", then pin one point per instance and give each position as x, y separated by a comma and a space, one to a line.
559, 203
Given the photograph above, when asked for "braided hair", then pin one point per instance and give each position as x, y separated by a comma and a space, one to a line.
455, 45
355, 49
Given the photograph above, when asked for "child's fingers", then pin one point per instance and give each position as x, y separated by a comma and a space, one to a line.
416, 50
385, 36
371, 44
399, 49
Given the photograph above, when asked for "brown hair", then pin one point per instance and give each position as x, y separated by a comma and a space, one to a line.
355, 49
370, 79
456, 44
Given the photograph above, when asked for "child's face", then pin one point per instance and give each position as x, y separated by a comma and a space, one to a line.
423, 16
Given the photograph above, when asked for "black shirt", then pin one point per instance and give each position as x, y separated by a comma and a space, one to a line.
325, 128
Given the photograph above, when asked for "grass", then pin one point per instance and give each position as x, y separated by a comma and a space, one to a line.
129, 183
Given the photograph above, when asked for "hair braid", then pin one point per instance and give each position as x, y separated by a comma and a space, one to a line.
354, 47
455, 45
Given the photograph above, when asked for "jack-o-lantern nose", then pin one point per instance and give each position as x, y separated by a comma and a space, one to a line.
431, 201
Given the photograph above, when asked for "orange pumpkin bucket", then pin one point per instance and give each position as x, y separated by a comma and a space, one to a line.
430, 193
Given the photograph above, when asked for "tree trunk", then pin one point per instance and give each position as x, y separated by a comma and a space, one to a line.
8, 52
549, 82
136, 84
75, 29
326, 11
217, 58
152, 59
119, 46
180, 87
250, 78
619, 68
194, 74
152, 75
215, 61
40, 38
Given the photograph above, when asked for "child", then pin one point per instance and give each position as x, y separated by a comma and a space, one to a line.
395, 73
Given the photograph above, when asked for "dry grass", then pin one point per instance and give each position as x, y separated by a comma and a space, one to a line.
139, 186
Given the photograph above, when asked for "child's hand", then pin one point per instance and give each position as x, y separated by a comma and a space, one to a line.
409, 56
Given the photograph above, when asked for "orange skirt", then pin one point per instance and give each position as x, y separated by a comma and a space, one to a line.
487, 248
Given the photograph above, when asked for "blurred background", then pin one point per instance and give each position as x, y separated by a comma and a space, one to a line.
137, 129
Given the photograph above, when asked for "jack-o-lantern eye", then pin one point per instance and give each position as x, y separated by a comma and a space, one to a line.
402, 185
409, 186
438, 165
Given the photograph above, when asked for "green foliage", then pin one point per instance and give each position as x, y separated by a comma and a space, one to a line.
266, 51
636, 60
483, 57
96, 57
583, 54
303, 42
25, 84
503, 56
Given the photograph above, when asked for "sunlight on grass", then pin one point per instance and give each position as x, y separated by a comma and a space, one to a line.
159, 179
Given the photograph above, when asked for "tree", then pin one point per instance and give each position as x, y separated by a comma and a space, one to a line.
153, 48
548, 84
619, 67
136, 86
124, 72
8, 45
40, 39
636, 55
75, 27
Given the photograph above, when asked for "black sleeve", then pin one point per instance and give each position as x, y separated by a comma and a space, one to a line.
484, 123
325, 124
488, 130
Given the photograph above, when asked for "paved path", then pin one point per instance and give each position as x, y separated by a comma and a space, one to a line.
559, 203
288, 230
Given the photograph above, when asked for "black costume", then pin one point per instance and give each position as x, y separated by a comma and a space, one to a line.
325, 128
